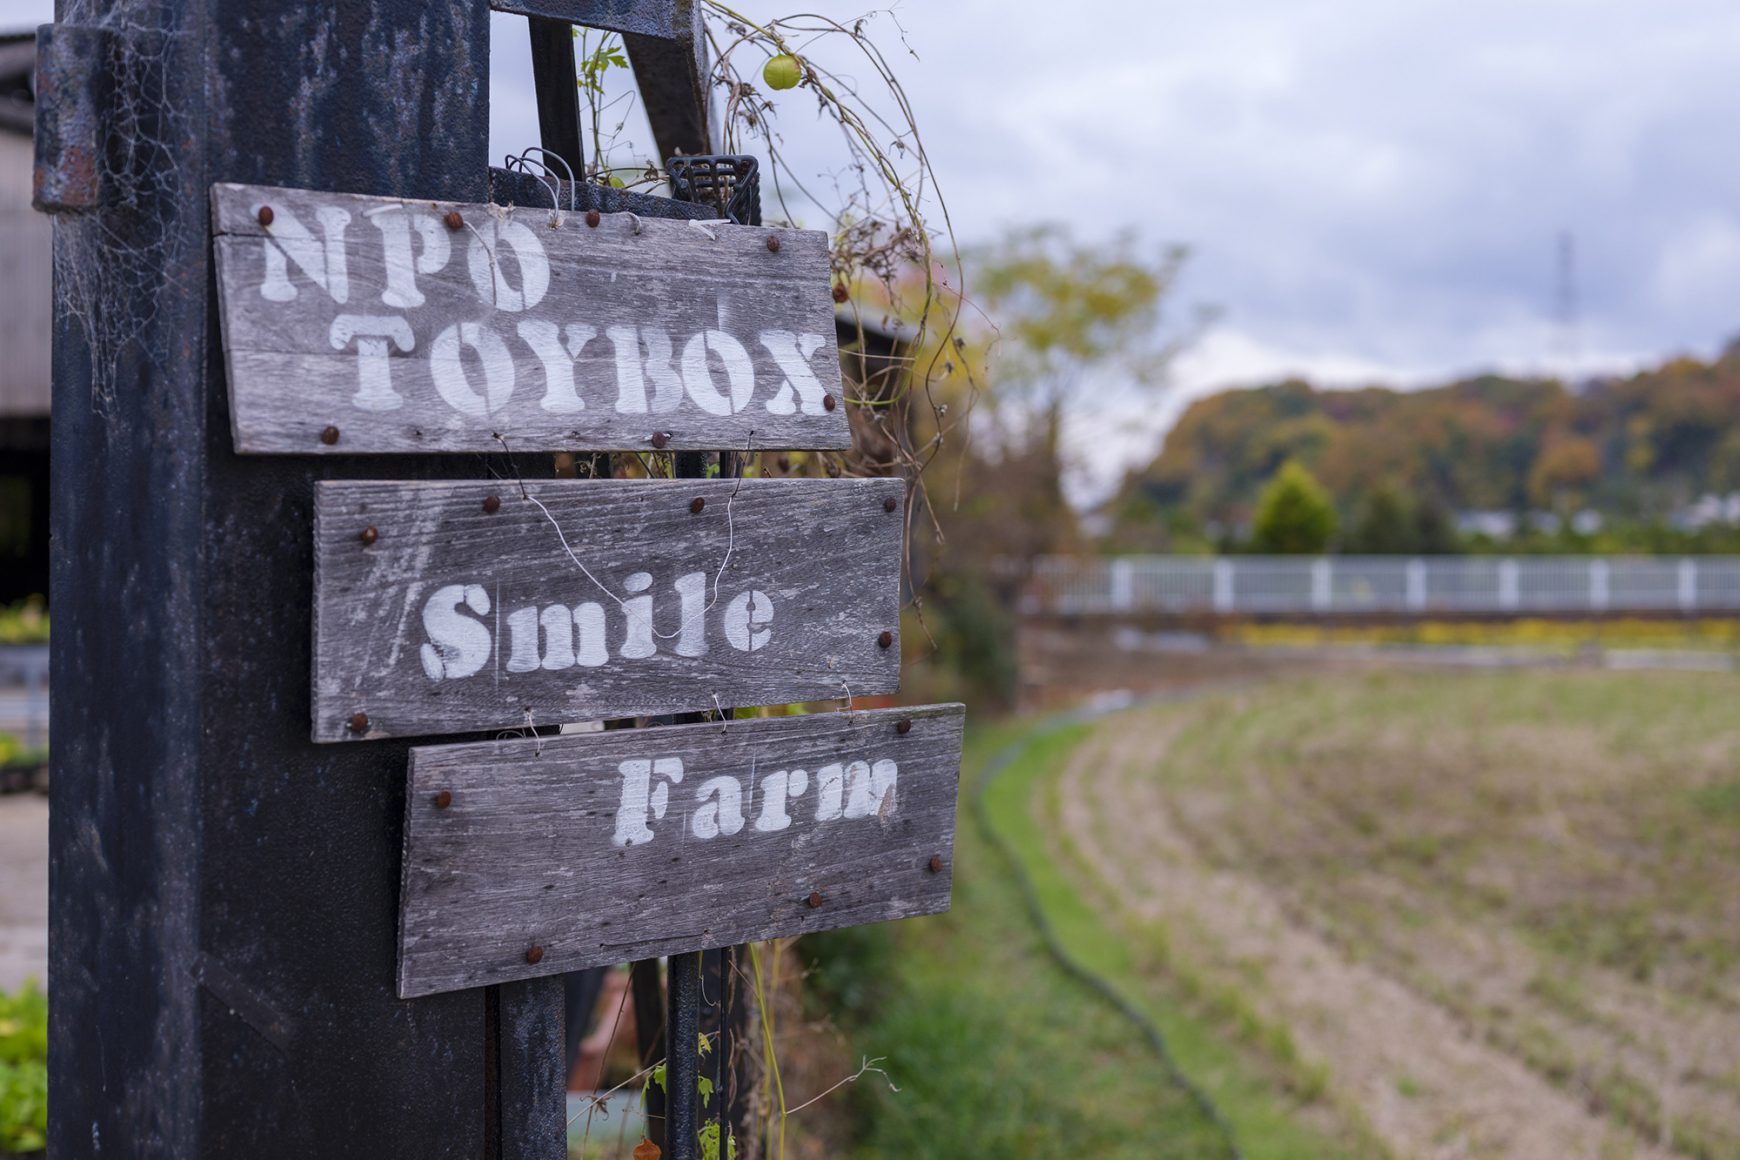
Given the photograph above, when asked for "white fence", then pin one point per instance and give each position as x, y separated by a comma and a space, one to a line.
1351, 585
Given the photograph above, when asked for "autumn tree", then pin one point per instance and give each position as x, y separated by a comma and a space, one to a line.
1295, 516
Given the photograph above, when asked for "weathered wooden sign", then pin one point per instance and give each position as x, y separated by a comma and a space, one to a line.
453, 606
531, 857
370, 325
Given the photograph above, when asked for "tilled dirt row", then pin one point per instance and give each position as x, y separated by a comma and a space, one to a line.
1426, 1079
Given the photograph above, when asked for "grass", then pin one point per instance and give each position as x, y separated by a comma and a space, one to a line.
1581, 823
998, 1053
23, 1071
1564, 636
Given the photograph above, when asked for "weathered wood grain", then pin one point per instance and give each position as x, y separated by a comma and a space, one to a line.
447, 607
514, 845
373, 317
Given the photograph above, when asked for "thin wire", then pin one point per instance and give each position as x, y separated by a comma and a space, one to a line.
730, 547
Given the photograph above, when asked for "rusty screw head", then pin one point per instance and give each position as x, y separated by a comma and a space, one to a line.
829, 402
884, 639
453, 220
660, 438
696, 504
359, 722
840, 292
814, 900
890, 504
773, 243
903, 726
369, 535
492, 504
443, 799
535, 955
265, 215
592, 218
329, 435
936, 863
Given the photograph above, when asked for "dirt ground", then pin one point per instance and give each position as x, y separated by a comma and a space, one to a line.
1436, 997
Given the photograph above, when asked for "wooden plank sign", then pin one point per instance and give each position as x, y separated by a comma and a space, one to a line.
373, 325
531, 857
453, 606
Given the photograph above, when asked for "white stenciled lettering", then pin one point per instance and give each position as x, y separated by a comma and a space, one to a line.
458, 645
558, 360
491, 244
776, 790
641, 797
792, 354
637, 640
698, 372
396, 224
745, 618
723, 814
634, 370
870, 788
851, 791
590, 651
692, 636
372, 333
321, 259
453, 382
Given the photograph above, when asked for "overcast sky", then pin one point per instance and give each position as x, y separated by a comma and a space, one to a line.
1371, 189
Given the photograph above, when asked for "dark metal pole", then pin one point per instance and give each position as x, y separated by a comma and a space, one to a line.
223, 893
682, 1059
553, 82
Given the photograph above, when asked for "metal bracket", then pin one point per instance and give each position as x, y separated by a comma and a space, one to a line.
75, 77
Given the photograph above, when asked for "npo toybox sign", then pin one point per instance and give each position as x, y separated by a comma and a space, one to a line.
366, 325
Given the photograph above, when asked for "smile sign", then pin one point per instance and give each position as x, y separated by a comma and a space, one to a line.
376, 325
447, 607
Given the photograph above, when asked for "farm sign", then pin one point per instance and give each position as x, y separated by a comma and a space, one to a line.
528, 857
370, 325
442, 607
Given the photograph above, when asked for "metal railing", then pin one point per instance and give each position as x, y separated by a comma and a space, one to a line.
1380, 585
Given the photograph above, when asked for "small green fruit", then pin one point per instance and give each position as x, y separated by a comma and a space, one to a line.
782, 72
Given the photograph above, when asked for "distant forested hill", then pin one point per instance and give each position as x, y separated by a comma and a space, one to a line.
1631, 448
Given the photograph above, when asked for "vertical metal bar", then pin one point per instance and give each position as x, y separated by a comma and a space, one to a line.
532, 1098
682, 1060
558, 94
649, 1031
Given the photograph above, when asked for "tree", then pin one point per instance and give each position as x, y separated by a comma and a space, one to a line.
1295, 516
1384, 526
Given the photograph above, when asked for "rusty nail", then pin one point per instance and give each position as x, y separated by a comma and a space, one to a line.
773, 243
329, 436
840, 292
890, 504
359, 722
903, 726
453, 220
885, 639
265, 215
696, 504
535, 955
369, 535
592, 218
660, 438
443, 799
936, 863
828, 403
815, 899
492, 504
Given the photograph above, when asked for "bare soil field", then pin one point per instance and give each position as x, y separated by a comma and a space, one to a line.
1474, 915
